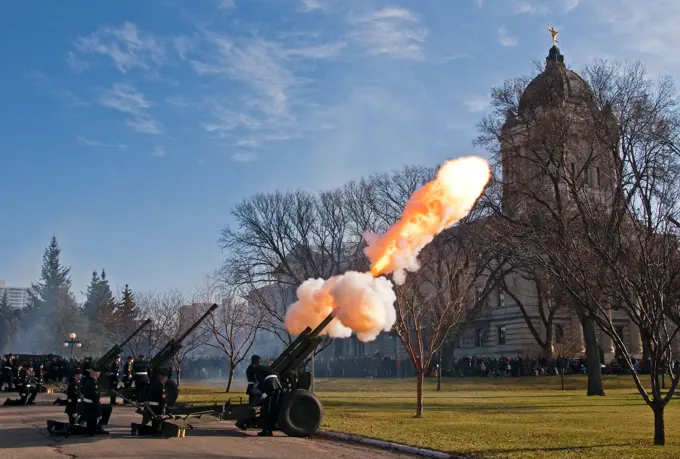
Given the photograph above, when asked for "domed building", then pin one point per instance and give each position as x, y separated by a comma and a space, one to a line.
549, 128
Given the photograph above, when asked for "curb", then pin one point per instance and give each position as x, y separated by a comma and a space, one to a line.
423, 452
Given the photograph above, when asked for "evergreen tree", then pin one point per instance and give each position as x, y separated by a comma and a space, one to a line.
43, 296
99, 310
127, 311
50, 304
9, 322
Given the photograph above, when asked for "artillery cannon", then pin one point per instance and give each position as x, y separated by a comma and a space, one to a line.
163, 360
105, 361
300, 411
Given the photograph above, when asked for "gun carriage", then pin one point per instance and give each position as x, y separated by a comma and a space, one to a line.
300, 412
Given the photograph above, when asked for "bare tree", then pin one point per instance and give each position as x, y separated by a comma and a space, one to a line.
233, 327
457, 274
278, 241
598, 216
197, 338
163, 308
568, 344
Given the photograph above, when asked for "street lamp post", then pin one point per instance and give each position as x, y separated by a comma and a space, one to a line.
72, 342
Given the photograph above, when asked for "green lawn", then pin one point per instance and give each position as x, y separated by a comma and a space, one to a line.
510, 418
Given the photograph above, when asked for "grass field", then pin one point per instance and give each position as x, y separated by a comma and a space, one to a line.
510, 418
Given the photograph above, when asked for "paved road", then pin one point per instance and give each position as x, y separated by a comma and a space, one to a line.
23, 435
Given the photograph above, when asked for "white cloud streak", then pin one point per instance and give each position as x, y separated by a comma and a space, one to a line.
95, 143
125, 99
125, 46
505, 39
392, 31
244, 156
158, 151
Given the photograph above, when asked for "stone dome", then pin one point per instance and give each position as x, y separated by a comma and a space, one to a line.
555, 85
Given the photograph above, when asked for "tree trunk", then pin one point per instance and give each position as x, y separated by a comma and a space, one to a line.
179, 377
659, 427
231, 377
419, 393
562, 376
593, 357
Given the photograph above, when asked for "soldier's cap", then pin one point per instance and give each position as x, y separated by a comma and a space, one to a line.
77, 371
162, 373
255, 359
95, 367
130, 357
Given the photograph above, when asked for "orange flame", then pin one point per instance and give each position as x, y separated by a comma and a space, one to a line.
435, 206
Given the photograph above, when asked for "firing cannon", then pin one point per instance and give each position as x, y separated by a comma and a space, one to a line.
105, 361
301, 411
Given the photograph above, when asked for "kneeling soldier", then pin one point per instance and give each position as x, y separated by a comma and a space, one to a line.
156, 400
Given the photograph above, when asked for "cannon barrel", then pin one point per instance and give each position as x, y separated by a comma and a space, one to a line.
297, 353
108, 358
162, 357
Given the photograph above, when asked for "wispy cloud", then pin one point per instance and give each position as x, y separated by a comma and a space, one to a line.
158, 151
128, 100
315, 5
477, 104
244, 156
258, 63
95, 143
504, 38
529, 7
52, 87
225, 4
77, 64
392, 31
184, 45
569, 5
126, 46
479, 3
645, 27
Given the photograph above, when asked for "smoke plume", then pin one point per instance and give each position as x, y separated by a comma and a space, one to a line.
363, 303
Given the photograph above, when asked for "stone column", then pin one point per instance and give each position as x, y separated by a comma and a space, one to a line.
635, 340
607, 343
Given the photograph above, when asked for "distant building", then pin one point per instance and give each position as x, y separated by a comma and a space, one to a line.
18, 296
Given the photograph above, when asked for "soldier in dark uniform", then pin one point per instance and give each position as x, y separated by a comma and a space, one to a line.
113, 375
93, 412
71, 402
8, 373
140, 371
268, 383
127, 372
27, 387
156, 399
253, 392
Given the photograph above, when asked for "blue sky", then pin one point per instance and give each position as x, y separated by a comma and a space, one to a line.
130, 128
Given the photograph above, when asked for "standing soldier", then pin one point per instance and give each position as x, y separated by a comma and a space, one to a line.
253, 392
115, 369
127, 372
8, 373
268, 382
156, 398
140, 370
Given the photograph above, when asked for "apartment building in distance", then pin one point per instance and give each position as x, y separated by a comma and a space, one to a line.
18, 296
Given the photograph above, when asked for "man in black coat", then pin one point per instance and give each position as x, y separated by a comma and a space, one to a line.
254, 393
73, 397
93, 412
156, 398
268, 382
26, 385
114, 371
140, 371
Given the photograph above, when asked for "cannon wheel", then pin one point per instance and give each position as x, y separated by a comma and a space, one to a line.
171, 392
300, 414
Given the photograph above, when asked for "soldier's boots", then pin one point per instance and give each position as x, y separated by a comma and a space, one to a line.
241, 425
265, 433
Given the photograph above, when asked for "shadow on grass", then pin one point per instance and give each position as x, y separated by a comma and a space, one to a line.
487, 452
381, 406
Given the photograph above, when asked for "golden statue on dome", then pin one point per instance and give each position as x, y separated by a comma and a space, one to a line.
554, 33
